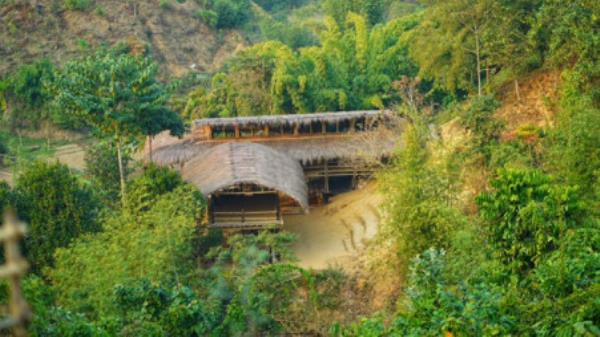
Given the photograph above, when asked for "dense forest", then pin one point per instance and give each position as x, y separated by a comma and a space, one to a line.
491, 204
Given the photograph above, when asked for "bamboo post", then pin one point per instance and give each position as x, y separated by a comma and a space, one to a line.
13, 270
326, 176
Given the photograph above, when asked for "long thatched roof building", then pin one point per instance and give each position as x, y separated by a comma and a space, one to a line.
253, 169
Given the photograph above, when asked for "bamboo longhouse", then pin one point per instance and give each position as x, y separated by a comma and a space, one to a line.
255, 169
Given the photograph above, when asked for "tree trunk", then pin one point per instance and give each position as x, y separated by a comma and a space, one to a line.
121, 171
150, 149
517, 91
478, 56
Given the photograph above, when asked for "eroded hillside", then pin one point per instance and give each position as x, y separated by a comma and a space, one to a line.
173, 34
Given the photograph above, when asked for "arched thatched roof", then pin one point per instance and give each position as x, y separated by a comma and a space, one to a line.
230, 164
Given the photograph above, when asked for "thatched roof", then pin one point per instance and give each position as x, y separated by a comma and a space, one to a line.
369, 146
302, 119
230, 164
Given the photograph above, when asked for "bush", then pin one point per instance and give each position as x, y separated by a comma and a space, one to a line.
165, 4
156, 244
231, 13
103, 167
207, 16
57, 207
477, 117
78, 5
526, 215
143, 192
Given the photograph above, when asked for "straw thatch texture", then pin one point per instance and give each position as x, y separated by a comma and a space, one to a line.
230, 164
369, 146
302, 119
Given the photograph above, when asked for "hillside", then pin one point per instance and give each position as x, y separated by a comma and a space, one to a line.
341, 168
175, 37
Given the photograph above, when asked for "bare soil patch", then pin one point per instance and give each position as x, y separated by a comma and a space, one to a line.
333, 235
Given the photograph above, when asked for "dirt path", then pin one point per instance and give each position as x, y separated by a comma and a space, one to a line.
334, 234
72, 155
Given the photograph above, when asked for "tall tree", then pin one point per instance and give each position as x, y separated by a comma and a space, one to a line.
450, 46
118, 96
57, 206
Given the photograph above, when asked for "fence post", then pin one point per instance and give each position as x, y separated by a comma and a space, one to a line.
13, 270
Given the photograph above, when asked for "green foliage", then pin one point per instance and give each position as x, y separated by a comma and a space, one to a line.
574, 145
102, 167
156, 245
57, 207
145, 190
350, 70
435, 307
50, 320
116, 94
209, 17
226, 14
458, 40
165, 4
419, 198
477, 117
24, 94
279, 5
373, 10
526, 215
533, 271
78, 5
569, 35
293, 34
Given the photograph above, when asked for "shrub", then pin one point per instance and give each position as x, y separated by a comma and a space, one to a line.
207, 16
78, 5
57, 207
100, 11
103, 167
231, 13
526, 214
156, 244
165, 4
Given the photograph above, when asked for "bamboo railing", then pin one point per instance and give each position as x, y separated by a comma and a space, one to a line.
13, 270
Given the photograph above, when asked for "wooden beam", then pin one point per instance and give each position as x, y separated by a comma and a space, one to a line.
237, 131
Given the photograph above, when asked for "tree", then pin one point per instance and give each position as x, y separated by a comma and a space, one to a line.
418, 198
373, 10
118, 96
156, 244
449, 46
57, 207
350, 69
102, 167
